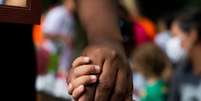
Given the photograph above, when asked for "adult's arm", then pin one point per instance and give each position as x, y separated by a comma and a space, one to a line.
99, 19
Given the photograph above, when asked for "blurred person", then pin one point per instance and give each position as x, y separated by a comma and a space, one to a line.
58, 27
186, 83
169, 39
173, 49
164, 27
47, 59
150, 61
43, 49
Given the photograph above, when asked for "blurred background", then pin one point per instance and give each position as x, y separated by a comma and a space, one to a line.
157, 37
19, 3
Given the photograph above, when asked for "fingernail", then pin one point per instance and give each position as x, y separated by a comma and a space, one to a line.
93, 78
69, 86
86, 59
81, 88
97, 68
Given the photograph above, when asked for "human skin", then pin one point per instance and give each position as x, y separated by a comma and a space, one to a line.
105, 49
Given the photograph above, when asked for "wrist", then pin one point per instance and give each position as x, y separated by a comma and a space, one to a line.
114, 45
106, 39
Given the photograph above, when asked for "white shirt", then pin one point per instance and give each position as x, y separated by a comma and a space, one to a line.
162, 38
60, 21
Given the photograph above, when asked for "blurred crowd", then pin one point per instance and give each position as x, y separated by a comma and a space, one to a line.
164, 55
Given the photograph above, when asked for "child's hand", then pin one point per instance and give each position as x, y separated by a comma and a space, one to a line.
82, 73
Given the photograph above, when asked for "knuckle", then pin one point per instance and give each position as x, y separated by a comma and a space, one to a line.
87, 78
114, 53
99, 50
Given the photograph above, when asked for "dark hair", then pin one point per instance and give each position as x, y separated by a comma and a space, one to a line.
150, 59
168, 18
190, 19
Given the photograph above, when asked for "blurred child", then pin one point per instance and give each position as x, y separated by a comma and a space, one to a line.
151, 62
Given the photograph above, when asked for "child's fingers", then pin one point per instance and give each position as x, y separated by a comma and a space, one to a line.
80, 60
78, 91
86, 70
83, 80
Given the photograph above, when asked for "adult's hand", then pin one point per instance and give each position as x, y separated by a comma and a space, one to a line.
105, 50
115, 82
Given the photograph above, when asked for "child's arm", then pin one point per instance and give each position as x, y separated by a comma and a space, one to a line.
82, 74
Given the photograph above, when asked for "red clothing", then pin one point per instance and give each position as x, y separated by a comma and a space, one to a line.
144, 31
